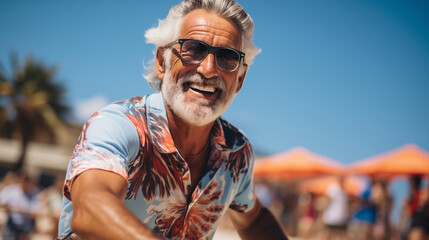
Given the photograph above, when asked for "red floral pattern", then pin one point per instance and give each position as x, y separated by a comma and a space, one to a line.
179, 220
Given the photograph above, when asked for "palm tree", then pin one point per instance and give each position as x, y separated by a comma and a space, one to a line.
31, 104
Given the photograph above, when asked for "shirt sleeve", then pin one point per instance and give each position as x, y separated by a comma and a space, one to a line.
109, 141
244, 200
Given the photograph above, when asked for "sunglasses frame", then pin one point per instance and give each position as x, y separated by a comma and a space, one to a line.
210, 49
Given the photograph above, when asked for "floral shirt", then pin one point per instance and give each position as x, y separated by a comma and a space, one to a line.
132, 138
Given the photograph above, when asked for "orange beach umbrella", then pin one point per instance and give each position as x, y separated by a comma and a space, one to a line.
295, 163
353, 185
406, 160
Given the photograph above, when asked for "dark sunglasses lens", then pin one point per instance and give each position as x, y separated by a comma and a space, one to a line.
227, 59
193, 52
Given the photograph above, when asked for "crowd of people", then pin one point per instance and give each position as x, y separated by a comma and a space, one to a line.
339, 214
27, 208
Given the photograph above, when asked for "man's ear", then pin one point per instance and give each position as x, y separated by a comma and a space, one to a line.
160, 63
241, 78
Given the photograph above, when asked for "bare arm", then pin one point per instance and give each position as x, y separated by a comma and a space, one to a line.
98, 209
258, 223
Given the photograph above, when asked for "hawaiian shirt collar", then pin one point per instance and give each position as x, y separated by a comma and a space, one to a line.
160, 133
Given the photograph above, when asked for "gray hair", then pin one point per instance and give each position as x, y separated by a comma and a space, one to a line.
168, 29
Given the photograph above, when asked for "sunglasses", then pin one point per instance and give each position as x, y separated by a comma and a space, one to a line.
194, 52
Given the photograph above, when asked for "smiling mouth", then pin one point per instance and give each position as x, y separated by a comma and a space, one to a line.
202, 89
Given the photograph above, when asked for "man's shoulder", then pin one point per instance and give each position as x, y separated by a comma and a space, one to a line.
119, 115
131, 105
134, 102
153, 100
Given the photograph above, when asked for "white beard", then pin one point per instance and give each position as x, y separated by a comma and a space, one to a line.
195, 111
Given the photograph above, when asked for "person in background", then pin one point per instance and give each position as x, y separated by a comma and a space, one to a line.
264, 193
49, 208
363, 220
383, 202
409, 208
170, 154
419, 219
8, 179
336, 215
307, 215
18, 201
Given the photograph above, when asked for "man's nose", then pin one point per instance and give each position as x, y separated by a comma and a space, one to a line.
208, 67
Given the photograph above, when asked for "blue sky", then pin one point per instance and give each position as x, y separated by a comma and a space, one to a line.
345, 79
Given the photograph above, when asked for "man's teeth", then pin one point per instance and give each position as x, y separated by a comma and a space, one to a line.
203, 88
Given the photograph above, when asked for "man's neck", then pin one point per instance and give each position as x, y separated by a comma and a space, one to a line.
190, 139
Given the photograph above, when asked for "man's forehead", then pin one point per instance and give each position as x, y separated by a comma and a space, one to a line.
202, 22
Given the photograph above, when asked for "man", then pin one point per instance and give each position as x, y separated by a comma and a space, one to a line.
180, 166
